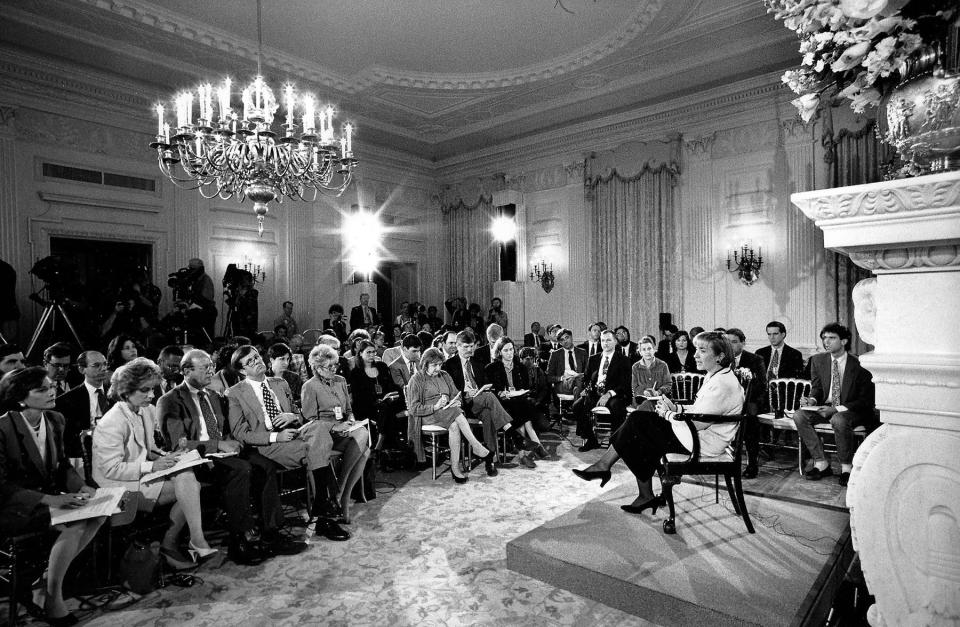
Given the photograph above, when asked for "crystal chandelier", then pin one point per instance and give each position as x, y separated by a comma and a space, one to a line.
240, 155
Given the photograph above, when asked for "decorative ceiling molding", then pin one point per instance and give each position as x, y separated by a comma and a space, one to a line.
181, 26
427, 105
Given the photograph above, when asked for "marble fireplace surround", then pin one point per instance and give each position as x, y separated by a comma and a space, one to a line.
904, 494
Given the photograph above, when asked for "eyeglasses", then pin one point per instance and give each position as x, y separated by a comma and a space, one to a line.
330, 368
251, 360
58, 366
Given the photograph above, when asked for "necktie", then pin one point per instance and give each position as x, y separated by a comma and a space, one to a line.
468, 375
366, 315
102, 402
571, 362
209, 419
774, 364
61, 387
269, 404
411, 369
835, 383
593, 349
604, 366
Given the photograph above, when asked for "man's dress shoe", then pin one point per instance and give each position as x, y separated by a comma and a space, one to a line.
243, 552
750, 472
276, 544
589, 445
331, 530
844, 479
815, 474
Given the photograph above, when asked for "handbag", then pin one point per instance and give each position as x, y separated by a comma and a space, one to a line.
138, 567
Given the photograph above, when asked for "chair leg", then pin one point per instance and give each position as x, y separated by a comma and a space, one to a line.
14, 584
716, 488
732, 494
433, 454
667, 483
743, 504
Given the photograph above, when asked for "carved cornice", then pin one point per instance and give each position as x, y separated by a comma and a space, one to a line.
71, 199
938, 191
193, 31
701, 146
907, 259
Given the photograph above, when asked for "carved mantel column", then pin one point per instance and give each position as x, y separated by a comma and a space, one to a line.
904, 494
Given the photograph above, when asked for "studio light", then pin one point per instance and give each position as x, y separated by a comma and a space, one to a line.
503, 229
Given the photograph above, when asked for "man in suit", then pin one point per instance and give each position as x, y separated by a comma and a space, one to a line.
625, 345
781, 361
485, 352
404, 366
363, 316
566, 365
534, 339
335, 325
607, 384
468, 374
592, 346
192, 416
261, 417
11, 358
56, 360
84, 405
844, 393
755, 401
449, 344
665, 347
169, 361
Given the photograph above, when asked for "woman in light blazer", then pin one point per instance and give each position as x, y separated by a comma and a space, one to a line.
124, 451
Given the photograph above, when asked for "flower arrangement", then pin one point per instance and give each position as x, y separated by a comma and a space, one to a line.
745, 375
856, 47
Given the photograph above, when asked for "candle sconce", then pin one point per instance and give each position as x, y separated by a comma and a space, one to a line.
543, 275
255, 269
745, 263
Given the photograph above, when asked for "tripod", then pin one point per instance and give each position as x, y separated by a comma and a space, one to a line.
50, 315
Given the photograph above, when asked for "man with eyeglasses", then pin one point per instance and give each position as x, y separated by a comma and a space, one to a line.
261, 417
170, 377
56, 359
193, 417
84, 405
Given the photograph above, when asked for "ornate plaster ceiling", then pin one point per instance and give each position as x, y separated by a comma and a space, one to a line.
436, 77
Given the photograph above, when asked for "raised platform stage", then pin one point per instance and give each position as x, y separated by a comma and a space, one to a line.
712, 572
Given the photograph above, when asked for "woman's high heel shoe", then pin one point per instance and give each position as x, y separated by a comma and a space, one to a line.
652, 505
590, 475
202, 555
459, 479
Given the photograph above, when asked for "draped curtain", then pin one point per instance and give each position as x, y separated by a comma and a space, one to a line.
470, 257
853, 157
634, 246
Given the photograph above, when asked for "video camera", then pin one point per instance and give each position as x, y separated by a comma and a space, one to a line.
57, 274
182, 283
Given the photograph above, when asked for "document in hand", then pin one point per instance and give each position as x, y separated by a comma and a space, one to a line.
357, 425
453, 400
516, 393
483, 389
103, 503
187, 460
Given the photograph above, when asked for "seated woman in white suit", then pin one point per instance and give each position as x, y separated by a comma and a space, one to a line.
124, 451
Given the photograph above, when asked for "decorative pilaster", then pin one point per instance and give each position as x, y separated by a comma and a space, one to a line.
9, 235
904, 494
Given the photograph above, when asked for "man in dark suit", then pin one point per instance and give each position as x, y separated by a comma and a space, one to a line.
468, 374
843, 391
665, 347
781, 361
261, 416
335, 324
169, 361
566, 365
84, 405
625, 345
755, 401
592, 346
485, 352
404, 366
606, 384
56, 360
534, 339
363, 316
192, 416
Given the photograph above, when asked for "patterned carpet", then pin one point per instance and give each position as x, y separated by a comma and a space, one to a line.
423, 553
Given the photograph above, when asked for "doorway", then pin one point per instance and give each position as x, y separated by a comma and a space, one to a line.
396, 282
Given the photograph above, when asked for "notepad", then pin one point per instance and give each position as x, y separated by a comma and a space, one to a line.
515, 393
103, 503
186, 460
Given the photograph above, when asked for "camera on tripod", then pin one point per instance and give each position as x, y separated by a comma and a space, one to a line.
55, 273
233, 278
182, 283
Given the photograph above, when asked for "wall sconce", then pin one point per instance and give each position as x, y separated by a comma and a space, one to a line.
543, 275
255, 269
746, 264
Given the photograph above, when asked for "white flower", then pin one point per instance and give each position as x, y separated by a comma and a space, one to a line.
862, 9
807, 106
851, 57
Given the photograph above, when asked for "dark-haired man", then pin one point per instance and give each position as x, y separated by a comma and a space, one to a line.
665, 347
335, 325
606, 383
533, 339
782, 361
170, 377
363, 316
405, 366
566, 365
56, 359
756, 398
842, 391
468, 374
82, 406
11, 358
485, 352
592, 346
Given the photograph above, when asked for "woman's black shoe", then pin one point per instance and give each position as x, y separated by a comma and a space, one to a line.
459, 479
652, 505
590, 475
62, 621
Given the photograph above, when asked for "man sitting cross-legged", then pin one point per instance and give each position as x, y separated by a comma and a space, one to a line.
468, 375
261, 417
606, 384
566, 365
192, 416
844, 392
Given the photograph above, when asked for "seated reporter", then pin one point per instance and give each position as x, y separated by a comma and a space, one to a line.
124, 451
649, 376
261, 416
681, 359
372, 389
646, 437
507, 374
326, 400
279, 356
539, 386
36, 476
606, 384
194, 417
428, 395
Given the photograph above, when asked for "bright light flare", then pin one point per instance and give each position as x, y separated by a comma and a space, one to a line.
503, 229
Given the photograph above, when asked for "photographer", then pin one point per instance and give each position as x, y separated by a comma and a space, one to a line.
241, 299
124, 319
194, 287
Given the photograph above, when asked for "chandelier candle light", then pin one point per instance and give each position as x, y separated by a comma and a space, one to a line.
746, 264
242, 156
